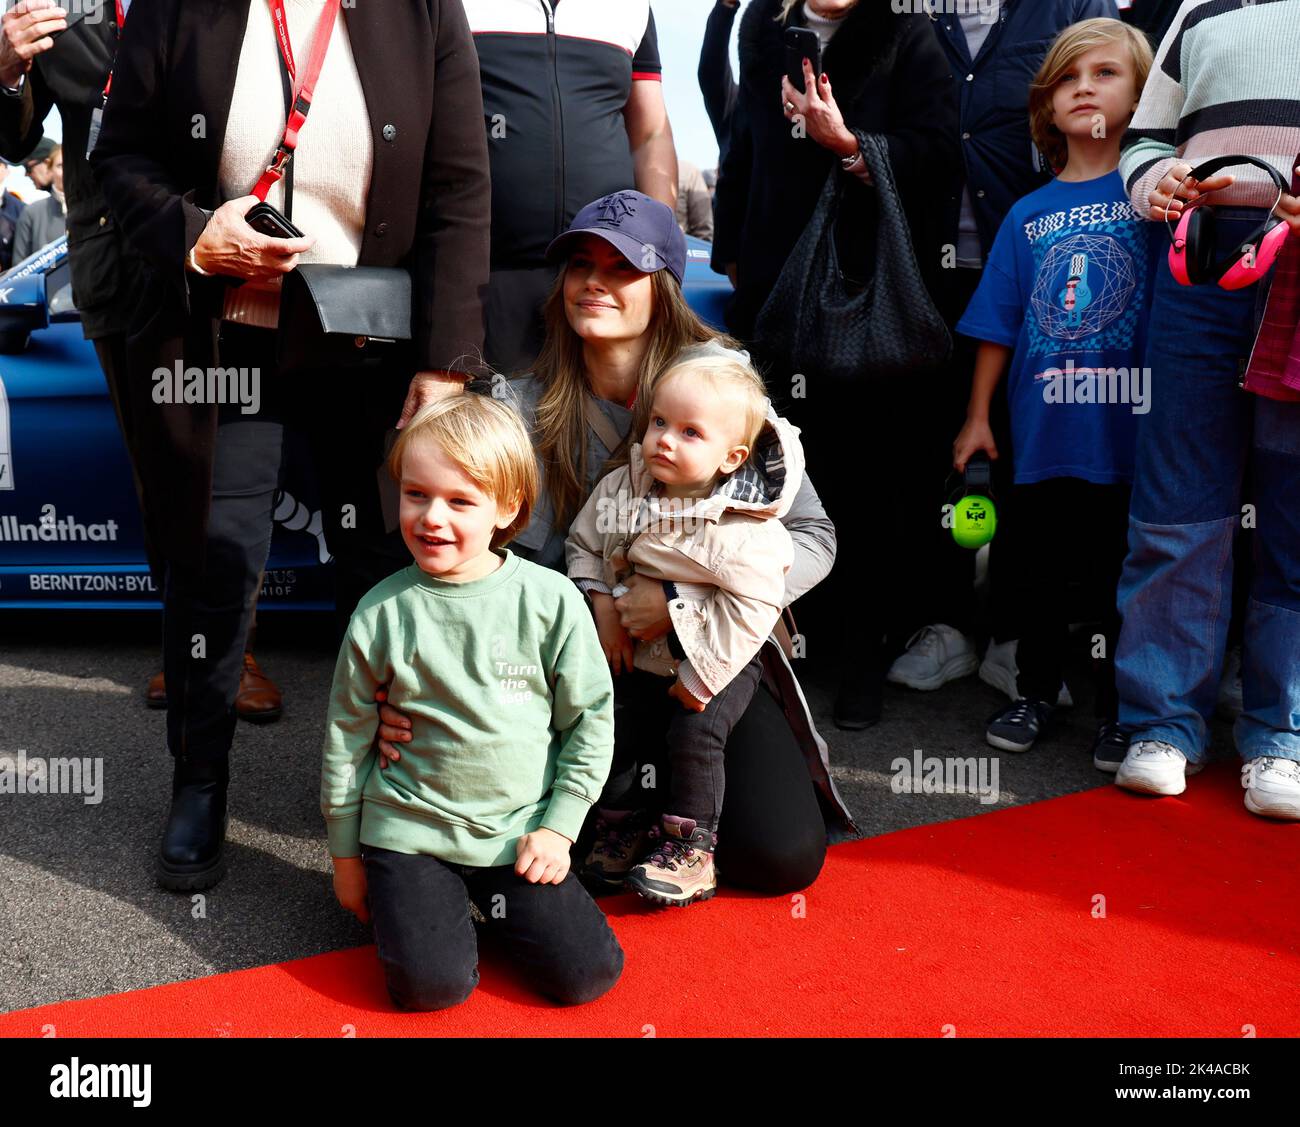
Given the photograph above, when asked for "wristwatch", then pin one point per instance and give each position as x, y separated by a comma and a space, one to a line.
15, 91
850, 162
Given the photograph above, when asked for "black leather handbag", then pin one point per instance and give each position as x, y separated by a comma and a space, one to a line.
834, 327
343, 316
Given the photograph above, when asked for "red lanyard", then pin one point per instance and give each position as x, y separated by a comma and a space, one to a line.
121, 23
302, 93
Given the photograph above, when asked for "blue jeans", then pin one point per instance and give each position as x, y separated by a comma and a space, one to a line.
1175, 596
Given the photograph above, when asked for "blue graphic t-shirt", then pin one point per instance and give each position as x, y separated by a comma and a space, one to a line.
1067, 286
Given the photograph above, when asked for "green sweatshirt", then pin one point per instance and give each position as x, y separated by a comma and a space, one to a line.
511, 707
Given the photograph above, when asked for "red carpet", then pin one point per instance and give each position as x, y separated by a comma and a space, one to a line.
985, 924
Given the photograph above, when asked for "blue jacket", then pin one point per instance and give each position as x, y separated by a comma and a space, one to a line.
1000, 161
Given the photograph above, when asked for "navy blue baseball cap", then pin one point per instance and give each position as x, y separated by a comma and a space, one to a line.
641, 229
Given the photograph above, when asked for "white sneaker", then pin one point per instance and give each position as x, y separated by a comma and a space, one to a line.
934, 656
1230, 690
1272, 787
999, 669
1153, 767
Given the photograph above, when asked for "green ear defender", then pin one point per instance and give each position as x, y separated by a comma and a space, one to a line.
975, 517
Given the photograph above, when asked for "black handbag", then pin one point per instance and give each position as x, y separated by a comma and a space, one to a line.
821, 322
343, 316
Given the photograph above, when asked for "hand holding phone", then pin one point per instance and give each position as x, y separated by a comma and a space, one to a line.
225, 247
801, 43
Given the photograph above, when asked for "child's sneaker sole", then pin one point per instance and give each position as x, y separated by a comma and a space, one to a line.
666, 899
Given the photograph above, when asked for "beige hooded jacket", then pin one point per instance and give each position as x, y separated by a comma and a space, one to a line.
727, 554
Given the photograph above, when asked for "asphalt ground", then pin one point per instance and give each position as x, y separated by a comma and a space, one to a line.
81, 915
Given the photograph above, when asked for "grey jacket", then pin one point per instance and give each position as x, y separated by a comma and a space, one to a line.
814, 552
40, 223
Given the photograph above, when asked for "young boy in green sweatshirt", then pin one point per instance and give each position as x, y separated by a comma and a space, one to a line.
498, 664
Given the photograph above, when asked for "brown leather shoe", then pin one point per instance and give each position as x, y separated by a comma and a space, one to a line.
155, 694
259, 699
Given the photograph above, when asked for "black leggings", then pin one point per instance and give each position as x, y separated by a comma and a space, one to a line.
771, 835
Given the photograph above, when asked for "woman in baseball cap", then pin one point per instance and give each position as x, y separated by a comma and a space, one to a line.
615, 321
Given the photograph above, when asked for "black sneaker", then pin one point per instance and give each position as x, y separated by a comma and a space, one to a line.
1018, 725
1110, 746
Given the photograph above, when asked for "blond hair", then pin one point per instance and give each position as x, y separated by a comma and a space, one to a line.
561, 420
488, 442
727, 374
1071, 45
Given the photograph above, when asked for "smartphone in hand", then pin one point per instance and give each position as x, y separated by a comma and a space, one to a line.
267, 220
801, 43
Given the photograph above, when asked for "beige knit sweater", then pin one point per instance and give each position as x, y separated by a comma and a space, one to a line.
333, 160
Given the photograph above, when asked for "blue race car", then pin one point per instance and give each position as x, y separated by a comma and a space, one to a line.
70, 529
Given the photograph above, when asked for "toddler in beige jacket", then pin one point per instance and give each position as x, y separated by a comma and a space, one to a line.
696, 507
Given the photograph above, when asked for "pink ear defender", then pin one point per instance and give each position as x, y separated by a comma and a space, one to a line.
1192, 241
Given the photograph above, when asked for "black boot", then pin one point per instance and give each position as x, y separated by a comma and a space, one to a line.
192, 853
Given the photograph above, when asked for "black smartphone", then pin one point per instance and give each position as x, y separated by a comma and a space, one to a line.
801, 43
267, 220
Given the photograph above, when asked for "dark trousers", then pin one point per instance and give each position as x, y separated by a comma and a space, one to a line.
880, 453
771, 834
653, 730
207, 611
554, 933
1071, 573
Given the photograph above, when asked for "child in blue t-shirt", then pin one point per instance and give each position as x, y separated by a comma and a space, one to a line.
1064, 302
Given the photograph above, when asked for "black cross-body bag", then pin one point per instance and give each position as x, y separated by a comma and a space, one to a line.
333, 316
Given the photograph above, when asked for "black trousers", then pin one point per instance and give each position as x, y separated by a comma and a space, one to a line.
554, 933
653, 730
771, 834
207, 611
1074, 537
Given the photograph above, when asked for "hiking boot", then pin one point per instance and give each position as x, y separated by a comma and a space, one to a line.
1018, 725
1110, 746
1155, 767
935, 655
680, 869
619, 843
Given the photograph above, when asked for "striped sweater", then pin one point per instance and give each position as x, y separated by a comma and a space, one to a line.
1226, 81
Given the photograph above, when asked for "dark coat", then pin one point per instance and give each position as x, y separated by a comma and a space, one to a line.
11, 207
427, 209
998, 156
888, 77
70, 76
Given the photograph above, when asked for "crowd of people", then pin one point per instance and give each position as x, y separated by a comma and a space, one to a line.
568, 659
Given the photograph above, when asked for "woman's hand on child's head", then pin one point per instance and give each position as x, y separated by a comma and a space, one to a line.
1167, 199
543, 856
679, 692
350, 886
643, 611
394, 728
976, 435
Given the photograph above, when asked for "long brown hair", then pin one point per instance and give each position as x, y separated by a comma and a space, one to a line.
561, 411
